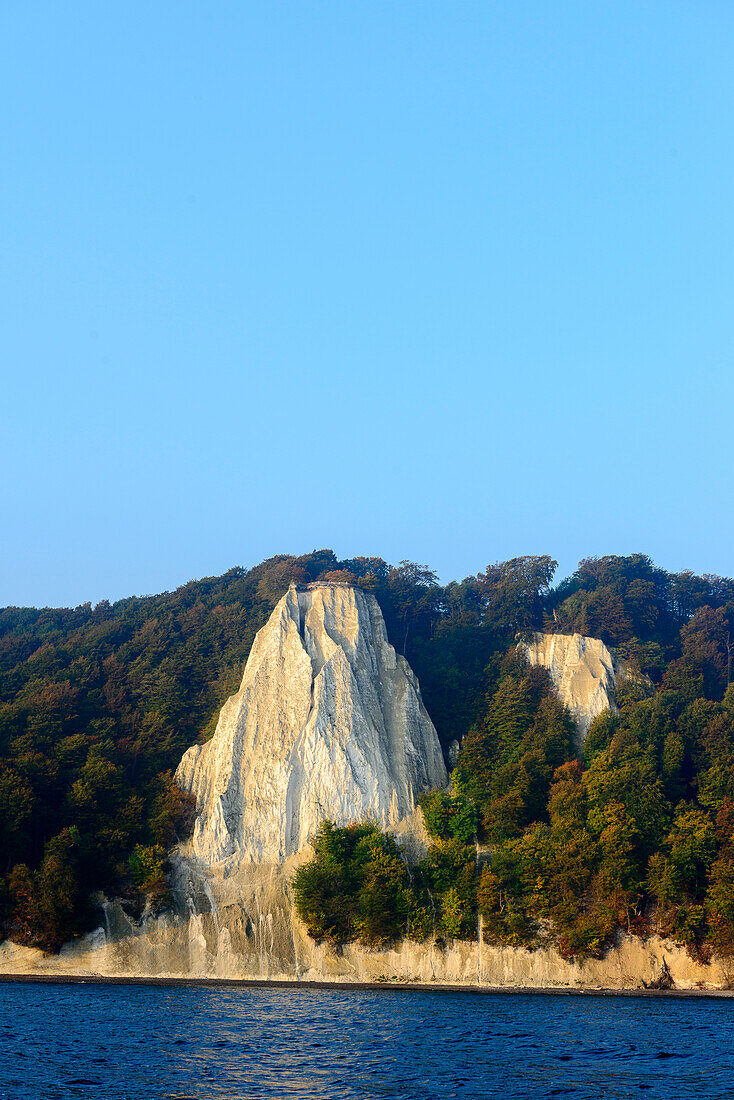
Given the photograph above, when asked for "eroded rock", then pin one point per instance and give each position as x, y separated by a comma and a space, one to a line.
582, 672
328, 723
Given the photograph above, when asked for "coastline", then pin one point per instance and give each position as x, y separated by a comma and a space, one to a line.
254, 939
359, 986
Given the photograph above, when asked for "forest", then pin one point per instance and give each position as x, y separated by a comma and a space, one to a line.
97, 705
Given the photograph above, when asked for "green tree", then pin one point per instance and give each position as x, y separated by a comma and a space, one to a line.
719, 902
680, 869
448, 816
513, 592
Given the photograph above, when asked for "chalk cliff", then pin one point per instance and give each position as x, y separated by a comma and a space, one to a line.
582, 671
328, 722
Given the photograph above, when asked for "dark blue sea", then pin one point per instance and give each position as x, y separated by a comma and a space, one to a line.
192, 1042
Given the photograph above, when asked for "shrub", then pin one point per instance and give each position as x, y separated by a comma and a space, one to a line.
355, 887
449, 817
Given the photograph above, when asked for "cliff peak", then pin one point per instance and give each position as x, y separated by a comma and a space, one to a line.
328, 723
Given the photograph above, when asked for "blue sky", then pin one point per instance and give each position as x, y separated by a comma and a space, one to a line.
441, 281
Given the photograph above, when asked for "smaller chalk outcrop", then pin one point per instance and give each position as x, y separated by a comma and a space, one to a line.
582, 672
328, 723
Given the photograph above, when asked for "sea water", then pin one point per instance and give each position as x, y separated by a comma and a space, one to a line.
187, 1043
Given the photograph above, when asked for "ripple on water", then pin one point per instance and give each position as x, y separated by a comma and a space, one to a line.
205, 1043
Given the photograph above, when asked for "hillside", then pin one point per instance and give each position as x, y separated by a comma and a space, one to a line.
97, 706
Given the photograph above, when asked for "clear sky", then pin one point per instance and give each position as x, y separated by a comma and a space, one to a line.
448, 281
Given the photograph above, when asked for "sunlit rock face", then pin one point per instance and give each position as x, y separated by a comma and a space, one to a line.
582, 672
328, 723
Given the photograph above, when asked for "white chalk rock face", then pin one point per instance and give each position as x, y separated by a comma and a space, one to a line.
582, 672
328, 722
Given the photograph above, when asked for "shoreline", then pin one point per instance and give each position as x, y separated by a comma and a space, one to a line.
360, 987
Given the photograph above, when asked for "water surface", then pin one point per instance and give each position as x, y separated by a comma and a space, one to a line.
192, 1043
